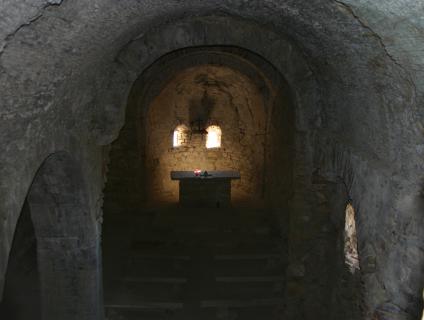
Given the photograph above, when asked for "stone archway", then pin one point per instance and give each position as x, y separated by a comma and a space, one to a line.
66, 240
21, 300
253, 106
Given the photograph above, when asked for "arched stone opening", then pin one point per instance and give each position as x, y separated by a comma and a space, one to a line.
252, 104
243, 83
66, 242
206, 97
21, 299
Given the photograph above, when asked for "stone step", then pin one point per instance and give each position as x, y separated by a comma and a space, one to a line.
157, 268
160, 257
238, 303
147, 279
245, 247
241, 253
248, 267
155, 237
219, 245
162, 314
193, 227
134, 289
202, 220
225, 229
147, 292
158, 247
220, 313
236, 256
251, 313
147, 305
150, 290
251, 279
144, 314
247, 288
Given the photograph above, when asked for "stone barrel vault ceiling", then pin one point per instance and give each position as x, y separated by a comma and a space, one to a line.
355, 69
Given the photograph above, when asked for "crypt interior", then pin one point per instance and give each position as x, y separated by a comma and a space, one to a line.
213, 160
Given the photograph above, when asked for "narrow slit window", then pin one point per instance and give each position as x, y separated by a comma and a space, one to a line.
180, 137
213, 139
422, 318
351, 240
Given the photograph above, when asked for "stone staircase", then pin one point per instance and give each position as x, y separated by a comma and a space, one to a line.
196, 264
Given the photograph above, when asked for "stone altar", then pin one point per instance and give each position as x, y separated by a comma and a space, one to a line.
212, 189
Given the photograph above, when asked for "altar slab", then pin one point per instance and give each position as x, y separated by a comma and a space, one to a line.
211, 190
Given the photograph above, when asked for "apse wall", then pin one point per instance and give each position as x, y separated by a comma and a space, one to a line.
226, 86
213, 95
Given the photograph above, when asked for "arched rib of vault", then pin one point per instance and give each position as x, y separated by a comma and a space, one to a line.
67, 239
209, 31
85, 157
258, 70
274, 91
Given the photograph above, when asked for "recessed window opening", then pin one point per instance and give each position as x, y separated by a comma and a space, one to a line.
422, 318
351, 240
180, 137
213, 138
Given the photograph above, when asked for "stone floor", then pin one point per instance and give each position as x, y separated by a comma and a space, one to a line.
192, 264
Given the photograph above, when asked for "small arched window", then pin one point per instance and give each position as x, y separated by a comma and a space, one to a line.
351, 240
213, 139
180, 137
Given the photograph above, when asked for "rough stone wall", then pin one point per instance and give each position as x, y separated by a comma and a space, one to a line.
126, 187
378, 241
67, 241
279, 156
64, 82
347, 290
229, 100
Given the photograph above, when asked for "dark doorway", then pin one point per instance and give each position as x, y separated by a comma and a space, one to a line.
22, 289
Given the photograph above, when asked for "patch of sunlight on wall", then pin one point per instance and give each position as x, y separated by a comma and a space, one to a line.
351, 240
213, 139
180, 136
422, 318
